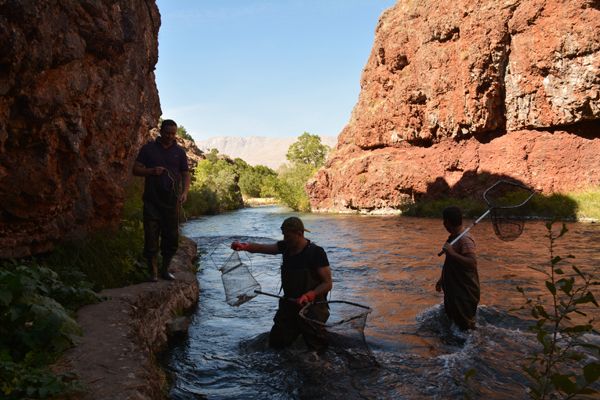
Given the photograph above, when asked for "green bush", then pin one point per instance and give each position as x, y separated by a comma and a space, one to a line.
570, 206
588, 203
290, 186
108, 258
257, 181
35, 328
201, 201
215, 188
559, 368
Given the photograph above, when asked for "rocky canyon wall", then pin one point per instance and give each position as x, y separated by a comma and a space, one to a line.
458, 94
77, 98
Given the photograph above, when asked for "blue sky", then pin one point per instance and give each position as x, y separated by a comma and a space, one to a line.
263, 67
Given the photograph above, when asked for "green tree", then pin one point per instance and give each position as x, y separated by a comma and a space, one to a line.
306, 155
308, 150
215, 187
182, 132
256, 181
212, 155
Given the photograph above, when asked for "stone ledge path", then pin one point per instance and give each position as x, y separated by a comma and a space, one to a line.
115, 358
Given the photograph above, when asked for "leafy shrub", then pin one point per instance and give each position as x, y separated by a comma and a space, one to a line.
215, 187
290, 187
108, 258
257, 181
35, 328
560, 367
201, 201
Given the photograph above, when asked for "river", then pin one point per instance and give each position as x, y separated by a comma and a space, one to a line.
388, 263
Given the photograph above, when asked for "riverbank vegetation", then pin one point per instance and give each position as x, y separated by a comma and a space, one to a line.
564, 316
219, 184
576, 206
39, 297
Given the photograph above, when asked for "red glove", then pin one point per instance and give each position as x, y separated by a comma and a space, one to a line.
307, 297
237, 246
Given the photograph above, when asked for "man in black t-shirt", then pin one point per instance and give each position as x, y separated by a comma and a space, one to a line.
305, 277
165, 168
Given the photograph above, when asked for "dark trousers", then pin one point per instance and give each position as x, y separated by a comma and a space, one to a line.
288, 325
461, 311
160, 223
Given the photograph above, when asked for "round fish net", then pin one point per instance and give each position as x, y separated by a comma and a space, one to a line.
345, 327
239, 284
506, 201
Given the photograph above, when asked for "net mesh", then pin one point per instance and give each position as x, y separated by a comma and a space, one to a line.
507, 226
508, 211
345, 326
239, 284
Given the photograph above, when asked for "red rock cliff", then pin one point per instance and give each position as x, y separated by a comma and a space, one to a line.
77, 98
457, 94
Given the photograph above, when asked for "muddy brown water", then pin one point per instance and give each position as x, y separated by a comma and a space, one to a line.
390, 264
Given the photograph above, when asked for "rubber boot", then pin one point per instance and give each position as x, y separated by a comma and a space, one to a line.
165, 274
153, 269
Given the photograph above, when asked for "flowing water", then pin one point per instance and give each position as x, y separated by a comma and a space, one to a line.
390, 264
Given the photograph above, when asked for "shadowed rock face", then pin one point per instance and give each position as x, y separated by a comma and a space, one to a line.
77, 98
458, 94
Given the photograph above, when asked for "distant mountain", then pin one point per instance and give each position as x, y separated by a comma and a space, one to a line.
256, 150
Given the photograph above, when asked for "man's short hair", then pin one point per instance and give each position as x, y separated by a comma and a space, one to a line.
453, 215
167, 122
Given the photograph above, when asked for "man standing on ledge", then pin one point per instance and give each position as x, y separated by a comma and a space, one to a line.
305, 277
165, 168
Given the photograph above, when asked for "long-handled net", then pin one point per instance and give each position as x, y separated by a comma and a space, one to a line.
345, 325
505, 201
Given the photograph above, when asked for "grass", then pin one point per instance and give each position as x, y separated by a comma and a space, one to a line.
588, 202
108, 258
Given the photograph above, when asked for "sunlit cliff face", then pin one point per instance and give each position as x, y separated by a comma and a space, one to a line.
457, 95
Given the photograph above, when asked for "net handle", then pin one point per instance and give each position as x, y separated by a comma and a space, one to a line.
490, 207
294, 300
274, 295
502, 181
303, 310
463, 233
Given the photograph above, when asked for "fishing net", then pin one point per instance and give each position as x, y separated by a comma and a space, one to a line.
239, 284
346, 323
345, 327
506, 202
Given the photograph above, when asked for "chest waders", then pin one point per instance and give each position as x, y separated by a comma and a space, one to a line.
297, 280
